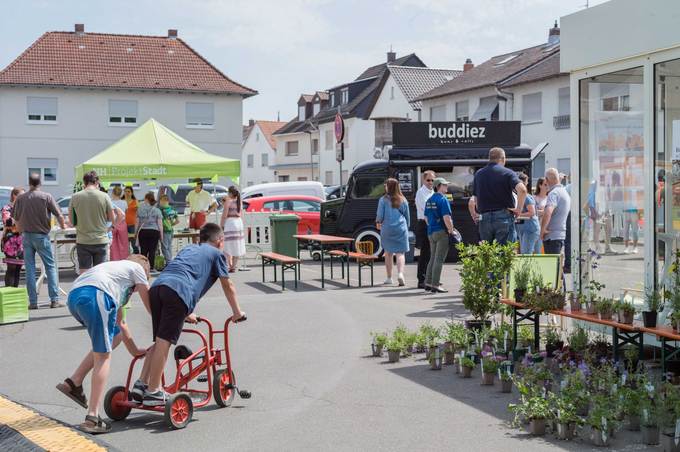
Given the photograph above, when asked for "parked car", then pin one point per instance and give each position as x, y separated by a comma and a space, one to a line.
308, 208
335, 191
307, 188
63, 203
5, 194
178, 196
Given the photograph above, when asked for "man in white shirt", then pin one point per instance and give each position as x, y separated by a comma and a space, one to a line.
422, 242
200, 203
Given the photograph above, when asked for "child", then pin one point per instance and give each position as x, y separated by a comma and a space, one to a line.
169, 221
96, 301
174, 296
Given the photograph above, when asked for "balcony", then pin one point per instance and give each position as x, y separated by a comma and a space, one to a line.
562, 122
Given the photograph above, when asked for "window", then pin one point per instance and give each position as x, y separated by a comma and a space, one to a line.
250, 184
345, 138
46, 168
487, 109
621, 103
368, 187
316, 108
315, 146
462, 110
291, 148
301, 113
284, 178
438, 113
306, 206
329, 140
531, 108
563, 104
200, 115
344, 177
507, 59
122, 112
41, 109
265, 159
303, 178
345, 95
329, 177
538, 166
392, 92
250, 158
273, 205
564, 166
332, 98
257, 137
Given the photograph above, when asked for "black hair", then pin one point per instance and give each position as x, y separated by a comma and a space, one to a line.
233, 191
132, 191
90, 178
34, 180
210, 232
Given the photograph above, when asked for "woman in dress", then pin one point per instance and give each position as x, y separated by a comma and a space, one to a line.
149, 227
541, 196
232, 224
392, 219
11, 242
131, 214
120, 244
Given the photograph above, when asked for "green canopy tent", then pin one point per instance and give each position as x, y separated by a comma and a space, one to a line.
152, 151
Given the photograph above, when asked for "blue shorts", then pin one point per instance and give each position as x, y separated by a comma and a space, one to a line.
97, 311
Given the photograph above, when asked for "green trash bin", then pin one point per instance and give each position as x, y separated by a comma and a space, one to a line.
283, 227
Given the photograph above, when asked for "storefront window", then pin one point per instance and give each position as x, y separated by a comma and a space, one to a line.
612, 181
667, 168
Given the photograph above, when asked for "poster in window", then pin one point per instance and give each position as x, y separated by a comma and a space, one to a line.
405, 179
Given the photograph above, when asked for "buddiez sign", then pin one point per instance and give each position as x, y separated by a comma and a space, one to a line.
456, 134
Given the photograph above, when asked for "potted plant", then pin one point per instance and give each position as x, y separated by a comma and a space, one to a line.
525, 334
602, 420
649, 416
605, 307
394, 349
536, 283
594, 288
626, 312
435, 357
489, 369
553, 342
378, 343
575, 301
675, 320
670, 417
466, 366
654, 304
578, 339
456, 337
564, 414
631, 404
506, 381
522, 276
534, 408
484, 268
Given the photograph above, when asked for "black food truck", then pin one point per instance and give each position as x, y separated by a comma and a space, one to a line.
454, 150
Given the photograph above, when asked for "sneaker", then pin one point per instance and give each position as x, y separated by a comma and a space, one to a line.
138, 390
157, 398
388, 282
626, 250
635, 250
57, 304
428, 289
32, 306
439, 289
421, 285
401, 281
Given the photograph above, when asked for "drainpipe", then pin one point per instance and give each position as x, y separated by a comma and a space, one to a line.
507, 97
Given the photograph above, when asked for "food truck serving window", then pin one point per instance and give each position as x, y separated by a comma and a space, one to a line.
368, 187
460, 178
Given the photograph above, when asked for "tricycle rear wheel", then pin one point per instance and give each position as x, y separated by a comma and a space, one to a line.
111, 407
179, 409
221, 392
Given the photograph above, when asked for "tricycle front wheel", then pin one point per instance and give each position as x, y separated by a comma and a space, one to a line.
179, 409
222, 387
111, 404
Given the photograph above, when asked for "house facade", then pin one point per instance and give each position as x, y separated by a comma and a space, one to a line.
524, 85
92, 89
258, 153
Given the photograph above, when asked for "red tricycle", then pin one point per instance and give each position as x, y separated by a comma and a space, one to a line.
213, 367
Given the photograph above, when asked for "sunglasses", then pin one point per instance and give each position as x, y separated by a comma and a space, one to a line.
429, 180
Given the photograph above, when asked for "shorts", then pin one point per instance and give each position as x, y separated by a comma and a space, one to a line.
197, 220
90, 255
97, 311
168, 312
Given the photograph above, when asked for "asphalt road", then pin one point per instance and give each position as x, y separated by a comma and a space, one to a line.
304, 356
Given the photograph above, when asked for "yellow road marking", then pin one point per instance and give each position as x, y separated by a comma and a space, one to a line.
43, 431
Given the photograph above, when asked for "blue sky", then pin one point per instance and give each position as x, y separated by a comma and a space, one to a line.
285, 47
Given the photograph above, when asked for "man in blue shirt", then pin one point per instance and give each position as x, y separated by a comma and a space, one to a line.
173, 297
493, 205
439, 227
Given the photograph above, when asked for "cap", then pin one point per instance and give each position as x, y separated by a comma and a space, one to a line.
440, 181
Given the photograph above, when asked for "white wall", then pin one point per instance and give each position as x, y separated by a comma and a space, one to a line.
83, 130
359, 147
256, 145
471, 96
397, 107
303, 158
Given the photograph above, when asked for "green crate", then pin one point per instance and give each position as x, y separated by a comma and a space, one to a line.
13, 305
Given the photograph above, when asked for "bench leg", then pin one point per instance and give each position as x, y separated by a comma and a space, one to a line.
359, 268
275, 276
342, 261
322, 269
263, 278
371, 273
331, 259
283, 277
295, 270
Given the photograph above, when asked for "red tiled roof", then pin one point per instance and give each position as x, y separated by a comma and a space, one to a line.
117, 61
268, 128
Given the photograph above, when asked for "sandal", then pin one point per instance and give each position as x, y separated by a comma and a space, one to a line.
95, 425
73, 392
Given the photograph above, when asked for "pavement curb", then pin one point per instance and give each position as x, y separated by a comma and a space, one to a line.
26, 429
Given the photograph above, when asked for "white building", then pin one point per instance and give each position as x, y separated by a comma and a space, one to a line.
71, 94
525, 85
258, 153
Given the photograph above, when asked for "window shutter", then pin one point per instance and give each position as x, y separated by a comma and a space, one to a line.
44, 106
200, 114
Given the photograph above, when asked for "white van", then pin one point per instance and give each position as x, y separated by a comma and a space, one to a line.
309, 188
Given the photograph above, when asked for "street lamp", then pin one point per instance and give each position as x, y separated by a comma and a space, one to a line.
311, 146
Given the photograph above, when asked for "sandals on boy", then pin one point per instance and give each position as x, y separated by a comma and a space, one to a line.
95, 425
73, 392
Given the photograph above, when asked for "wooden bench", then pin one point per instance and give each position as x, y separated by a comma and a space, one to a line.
363, 260
668, 352
287, 263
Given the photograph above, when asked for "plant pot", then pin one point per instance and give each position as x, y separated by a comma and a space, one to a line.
506, 386
650, 435
575, 305
649, 318
477, 325
591, 309
668, 443
598, 440
607, 315
449, 357
633, 423
519, 295
488, 379
377, 350
537, 427
393, 355
467, 372
550, 349
582, 410
436, 364
626, 317
456, 367
566, 431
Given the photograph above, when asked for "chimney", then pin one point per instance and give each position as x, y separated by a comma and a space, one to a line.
80, 29
172, 33
391, 56
251, 122
468, 65
554, 35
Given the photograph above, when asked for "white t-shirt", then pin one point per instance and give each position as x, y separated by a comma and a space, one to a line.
199, 202
114, 278
422, 195
120, 204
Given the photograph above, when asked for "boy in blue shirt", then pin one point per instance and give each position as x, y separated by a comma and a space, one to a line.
439, 227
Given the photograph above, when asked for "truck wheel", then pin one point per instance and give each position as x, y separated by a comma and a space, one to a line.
369, 234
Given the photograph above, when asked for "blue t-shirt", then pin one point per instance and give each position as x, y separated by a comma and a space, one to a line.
493, 187
193, 272
436, 207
